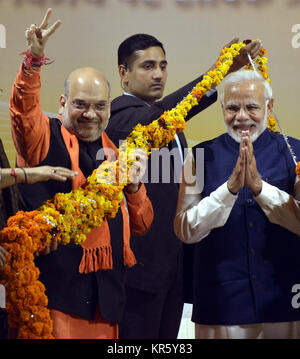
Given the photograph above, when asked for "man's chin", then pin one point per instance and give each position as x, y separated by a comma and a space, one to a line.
160, 94
156, 95
88, 136
237, 135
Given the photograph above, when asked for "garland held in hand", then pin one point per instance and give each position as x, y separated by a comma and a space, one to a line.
69, 217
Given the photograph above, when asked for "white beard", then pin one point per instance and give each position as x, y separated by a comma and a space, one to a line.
260, 127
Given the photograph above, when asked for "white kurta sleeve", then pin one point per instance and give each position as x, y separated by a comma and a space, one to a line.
280, 207
197, 216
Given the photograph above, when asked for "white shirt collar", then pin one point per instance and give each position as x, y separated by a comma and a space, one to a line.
129, 94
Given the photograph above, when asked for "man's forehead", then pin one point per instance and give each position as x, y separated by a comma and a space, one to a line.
152, 53
82, 81
86, 75
89, 86
250, 90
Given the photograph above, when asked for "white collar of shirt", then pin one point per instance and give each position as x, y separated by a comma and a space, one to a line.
129, 94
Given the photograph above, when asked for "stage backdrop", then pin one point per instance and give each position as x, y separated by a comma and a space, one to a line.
193, 32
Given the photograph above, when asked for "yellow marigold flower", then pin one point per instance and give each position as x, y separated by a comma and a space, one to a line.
298, 170
70, 217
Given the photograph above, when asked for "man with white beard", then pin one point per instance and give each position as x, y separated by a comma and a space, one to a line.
245, 221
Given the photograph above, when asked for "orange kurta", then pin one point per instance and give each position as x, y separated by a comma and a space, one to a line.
31, 136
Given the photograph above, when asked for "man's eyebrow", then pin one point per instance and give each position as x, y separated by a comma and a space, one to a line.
231, 103
252, 103
96, 102
101, 100
152, 62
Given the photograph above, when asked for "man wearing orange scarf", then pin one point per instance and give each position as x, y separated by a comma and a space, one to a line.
84, 284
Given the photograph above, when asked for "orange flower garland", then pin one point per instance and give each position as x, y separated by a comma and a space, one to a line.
263, 68
69, 217
272, 123
26, 303
298, 170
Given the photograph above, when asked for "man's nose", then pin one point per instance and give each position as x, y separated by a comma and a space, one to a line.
90, 112
242, 114
157, 73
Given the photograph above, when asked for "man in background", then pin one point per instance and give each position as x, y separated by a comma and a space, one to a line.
154, 287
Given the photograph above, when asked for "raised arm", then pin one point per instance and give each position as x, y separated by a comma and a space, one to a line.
30, 127
128, 111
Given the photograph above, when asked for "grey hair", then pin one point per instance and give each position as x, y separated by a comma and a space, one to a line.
67, 88
245, 76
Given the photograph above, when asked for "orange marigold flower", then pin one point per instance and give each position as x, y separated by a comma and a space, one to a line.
68, 217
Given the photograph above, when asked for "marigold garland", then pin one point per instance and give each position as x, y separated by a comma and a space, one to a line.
298, 170
272, 123
68, 217
261, 61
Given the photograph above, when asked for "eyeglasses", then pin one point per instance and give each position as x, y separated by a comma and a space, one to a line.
249, 108
81, 105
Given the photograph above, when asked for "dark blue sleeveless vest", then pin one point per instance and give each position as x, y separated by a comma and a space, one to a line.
67, 289
245, 270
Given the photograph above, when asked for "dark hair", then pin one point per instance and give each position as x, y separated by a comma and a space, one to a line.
133, 43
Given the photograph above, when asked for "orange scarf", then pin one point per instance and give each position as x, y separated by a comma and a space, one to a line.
97, 250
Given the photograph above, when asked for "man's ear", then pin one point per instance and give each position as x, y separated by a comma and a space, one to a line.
62, 103
270, 106
123, 72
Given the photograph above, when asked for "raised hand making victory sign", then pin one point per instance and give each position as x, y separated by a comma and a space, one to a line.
37, 36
